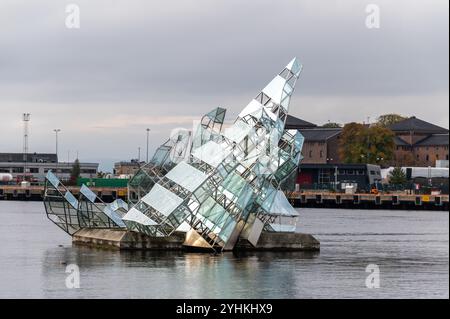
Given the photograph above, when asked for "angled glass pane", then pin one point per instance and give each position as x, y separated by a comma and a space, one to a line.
234, 183
162, 200
281, 206
119, 204
90, 195
238, 131
53, 179
227, 230
71, 199
254, 108
136, 216
275, 89
113, 216
211, 153
161, 155
187, 176
283, 228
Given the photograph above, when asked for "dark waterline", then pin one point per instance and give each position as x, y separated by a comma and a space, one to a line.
411, 249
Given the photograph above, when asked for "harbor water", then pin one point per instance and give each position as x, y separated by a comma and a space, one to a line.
410, 249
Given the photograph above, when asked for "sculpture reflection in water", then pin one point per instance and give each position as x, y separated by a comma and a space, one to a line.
217, 184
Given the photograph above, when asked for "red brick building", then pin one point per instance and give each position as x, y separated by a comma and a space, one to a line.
419, 143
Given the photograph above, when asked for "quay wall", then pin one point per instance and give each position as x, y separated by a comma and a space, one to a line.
315, 199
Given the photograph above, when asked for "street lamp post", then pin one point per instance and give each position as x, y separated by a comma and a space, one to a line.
57, 130
148, 135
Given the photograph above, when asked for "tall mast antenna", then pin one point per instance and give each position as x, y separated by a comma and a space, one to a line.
26, 119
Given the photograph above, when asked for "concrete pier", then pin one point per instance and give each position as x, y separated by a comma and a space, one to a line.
127, 240
281, 242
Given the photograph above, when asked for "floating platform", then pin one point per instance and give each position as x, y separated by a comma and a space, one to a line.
369, 201
128, 240
36, 193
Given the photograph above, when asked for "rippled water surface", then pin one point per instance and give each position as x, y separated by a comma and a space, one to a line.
411, 249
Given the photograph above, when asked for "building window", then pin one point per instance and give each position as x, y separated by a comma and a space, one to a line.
88, 171
427, 158
17, 170
446, 157
34, 170
310, 154
321, 154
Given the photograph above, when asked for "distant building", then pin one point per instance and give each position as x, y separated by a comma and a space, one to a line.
321, 144
419, 143
34, 166
127, 168
317, 176
293, 122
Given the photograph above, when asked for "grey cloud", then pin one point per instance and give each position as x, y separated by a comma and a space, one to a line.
182, 58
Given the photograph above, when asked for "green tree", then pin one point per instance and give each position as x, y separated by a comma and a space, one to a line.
388, 119
397, 176
363, 144
332, 125
76, 171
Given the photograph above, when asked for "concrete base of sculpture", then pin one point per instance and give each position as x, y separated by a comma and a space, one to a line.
127, 240
281, 242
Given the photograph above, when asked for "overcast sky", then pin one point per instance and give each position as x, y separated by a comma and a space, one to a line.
160, 64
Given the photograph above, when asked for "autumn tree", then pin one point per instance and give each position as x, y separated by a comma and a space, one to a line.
332, 125
366, 144
387, 120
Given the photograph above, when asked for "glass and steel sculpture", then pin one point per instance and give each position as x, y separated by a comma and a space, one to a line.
223, 184
229, 178
88, 211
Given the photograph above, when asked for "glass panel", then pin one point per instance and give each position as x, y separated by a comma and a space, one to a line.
211, 153
234, 183
113, 216
281, 206
254, 108
238, 131
90, 195
71, 199
244, 197
136, 216
53, 179
227, 230
280, 228
162, 200
275, 88
161, 155
187, 176
214, 212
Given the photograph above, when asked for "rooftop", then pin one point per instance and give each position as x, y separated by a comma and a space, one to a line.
293, 123
400, 142
31, 158
414, 124
320, 134
434, 140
